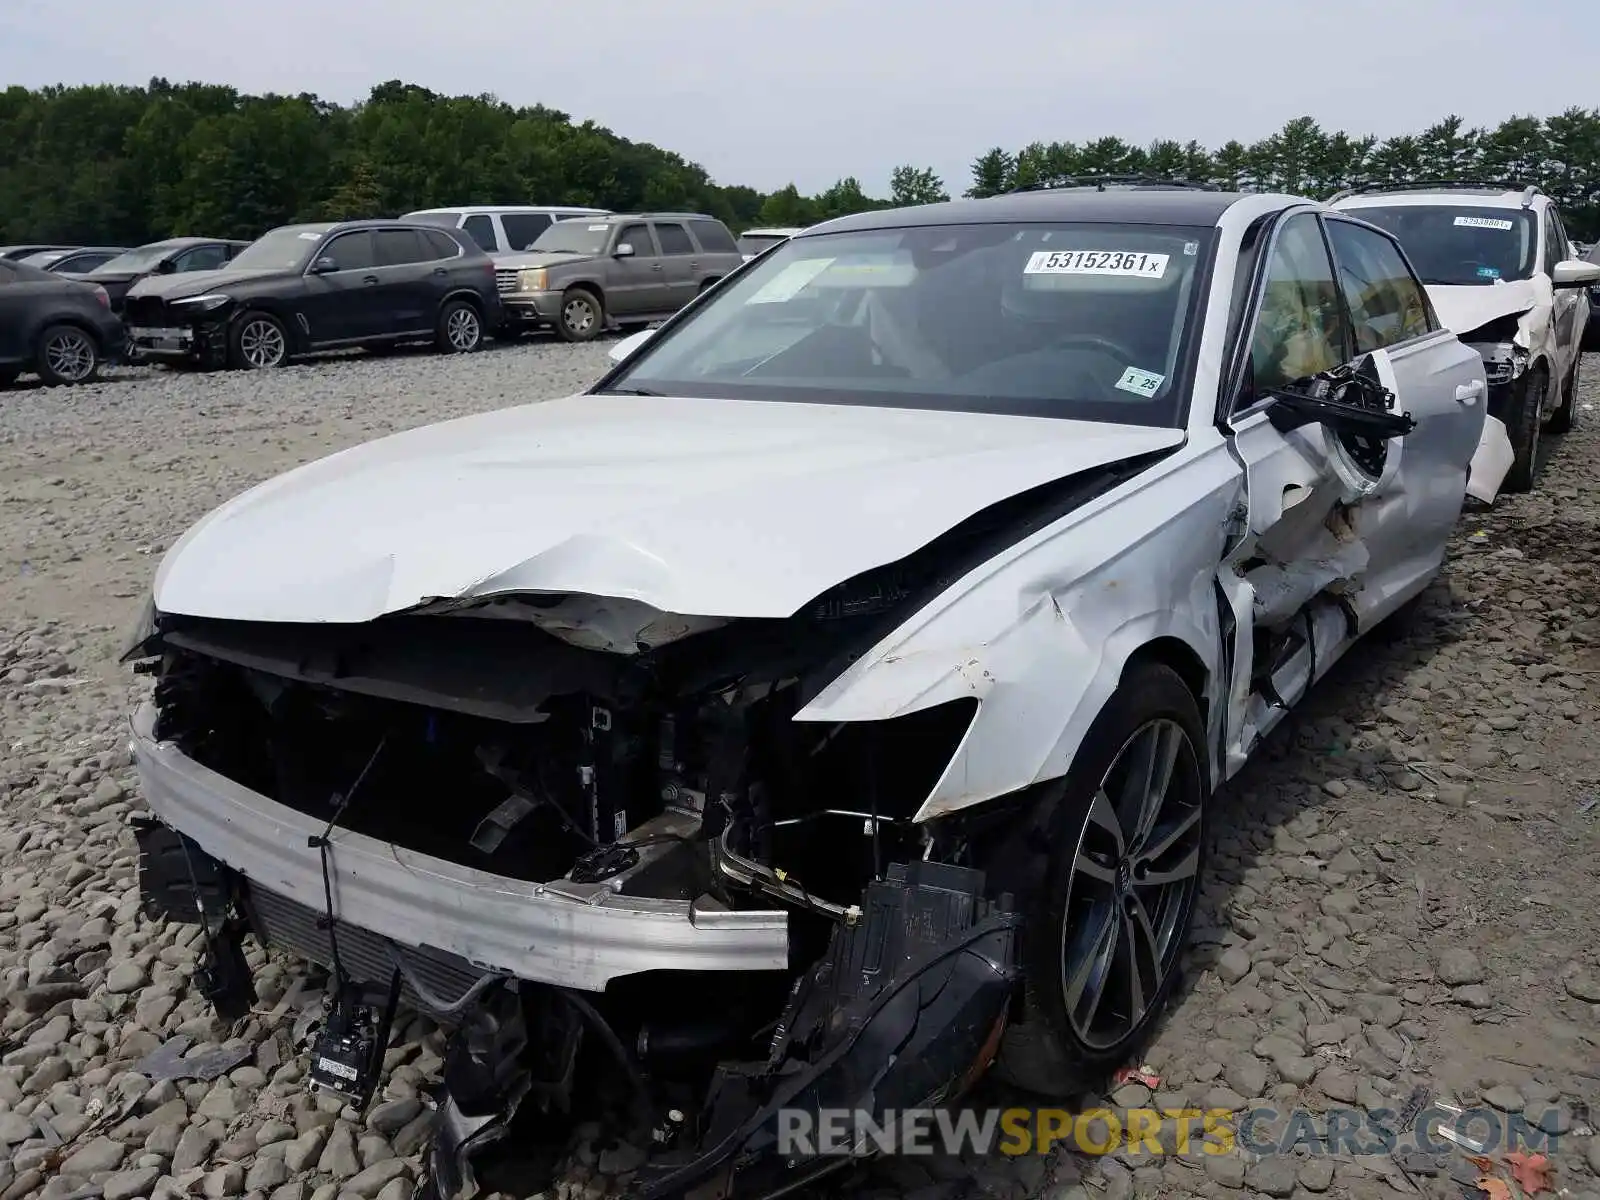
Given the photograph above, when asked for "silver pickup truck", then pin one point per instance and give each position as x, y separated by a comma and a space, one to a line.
584, 274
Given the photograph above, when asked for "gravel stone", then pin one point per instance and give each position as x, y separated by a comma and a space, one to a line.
126, 1185
93, 1157
1458, 965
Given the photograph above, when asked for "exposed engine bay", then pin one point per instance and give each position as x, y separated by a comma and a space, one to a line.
674, 772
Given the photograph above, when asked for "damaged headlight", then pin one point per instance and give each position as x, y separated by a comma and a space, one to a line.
140, 632
1503, 361
203, 303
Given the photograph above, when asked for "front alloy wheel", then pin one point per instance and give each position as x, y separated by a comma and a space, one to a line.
1126, 846
260, 343
67, 355
1130, 885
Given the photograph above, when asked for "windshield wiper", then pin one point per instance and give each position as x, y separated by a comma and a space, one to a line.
632, 392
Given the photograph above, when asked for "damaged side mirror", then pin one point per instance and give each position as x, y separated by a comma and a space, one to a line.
1355, 404
1351, 400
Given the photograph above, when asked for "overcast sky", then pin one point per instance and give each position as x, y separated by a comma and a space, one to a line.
762, 93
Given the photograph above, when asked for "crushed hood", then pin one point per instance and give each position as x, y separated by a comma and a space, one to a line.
1463, 309
691, 506
196, 283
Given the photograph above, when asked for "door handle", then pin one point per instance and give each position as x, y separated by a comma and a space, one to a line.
658, 267
440, 271
1468, 393
369, 279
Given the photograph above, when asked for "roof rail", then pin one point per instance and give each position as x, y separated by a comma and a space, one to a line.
1528, 190
1098, 183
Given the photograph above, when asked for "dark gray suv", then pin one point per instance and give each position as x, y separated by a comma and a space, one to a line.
584, 274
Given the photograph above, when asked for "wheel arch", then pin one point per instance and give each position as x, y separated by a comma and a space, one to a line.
467, 295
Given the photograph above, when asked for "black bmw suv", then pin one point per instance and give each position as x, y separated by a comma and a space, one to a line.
302, 288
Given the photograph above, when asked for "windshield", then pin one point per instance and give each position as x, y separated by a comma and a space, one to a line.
1456, 246
580, 236
754, 243
1087, 321
286, 249
144, 258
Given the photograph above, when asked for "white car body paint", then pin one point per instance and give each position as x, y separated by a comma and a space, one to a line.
1492, 461
695, 507
628, 345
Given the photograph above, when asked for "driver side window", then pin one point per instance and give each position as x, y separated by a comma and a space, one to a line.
1300, 326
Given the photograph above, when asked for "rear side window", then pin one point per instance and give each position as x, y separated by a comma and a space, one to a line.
714, 237
481, 230
202, 258
398, 247
1387, 304
441, 245
674, 238
523, 229
350, 251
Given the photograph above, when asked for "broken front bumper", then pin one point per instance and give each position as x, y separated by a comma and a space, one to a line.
572, 935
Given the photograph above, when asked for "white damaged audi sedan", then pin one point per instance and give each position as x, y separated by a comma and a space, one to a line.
827, 703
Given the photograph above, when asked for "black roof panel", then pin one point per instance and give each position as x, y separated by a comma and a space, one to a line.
1175, 207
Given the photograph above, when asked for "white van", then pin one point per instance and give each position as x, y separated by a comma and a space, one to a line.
502, 228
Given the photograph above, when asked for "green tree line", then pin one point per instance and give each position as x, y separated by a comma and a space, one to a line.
125, 165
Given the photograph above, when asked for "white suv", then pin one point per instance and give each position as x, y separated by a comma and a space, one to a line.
1499, 270
502, 228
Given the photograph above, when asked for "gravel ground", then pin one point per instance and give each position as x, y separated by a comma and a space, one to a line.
1403, 886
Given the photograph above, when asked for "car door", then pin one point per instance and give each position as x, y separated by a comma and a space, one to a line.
1567, 301
341, 303
682, 269
1313, 487
1438, 380
635, 283
409, 288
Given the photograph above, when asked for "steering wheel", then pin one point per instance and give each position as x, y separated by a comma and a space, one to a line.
1095, 341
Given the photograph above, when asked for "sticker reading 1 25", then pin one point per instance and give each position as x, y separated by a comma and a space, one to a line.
1096, 262
1140, 383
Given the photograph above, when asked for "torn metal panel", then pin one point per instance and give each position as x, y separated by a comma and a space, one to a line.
1041, 632
1490, 462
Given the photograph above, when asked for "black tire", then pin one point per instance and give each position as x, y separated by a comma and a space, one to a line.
258, 342
66, 354
1524, 422
1565, 417
459, 329
582, 316
708, 284
1047, 1052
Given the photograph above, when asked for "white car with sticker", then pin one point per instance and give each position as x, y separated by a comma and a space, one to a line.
909, 595
1502, 275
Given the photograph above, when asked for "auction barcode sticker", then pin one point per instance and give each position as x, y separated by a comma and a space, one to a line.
1485, 223
1096, 262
